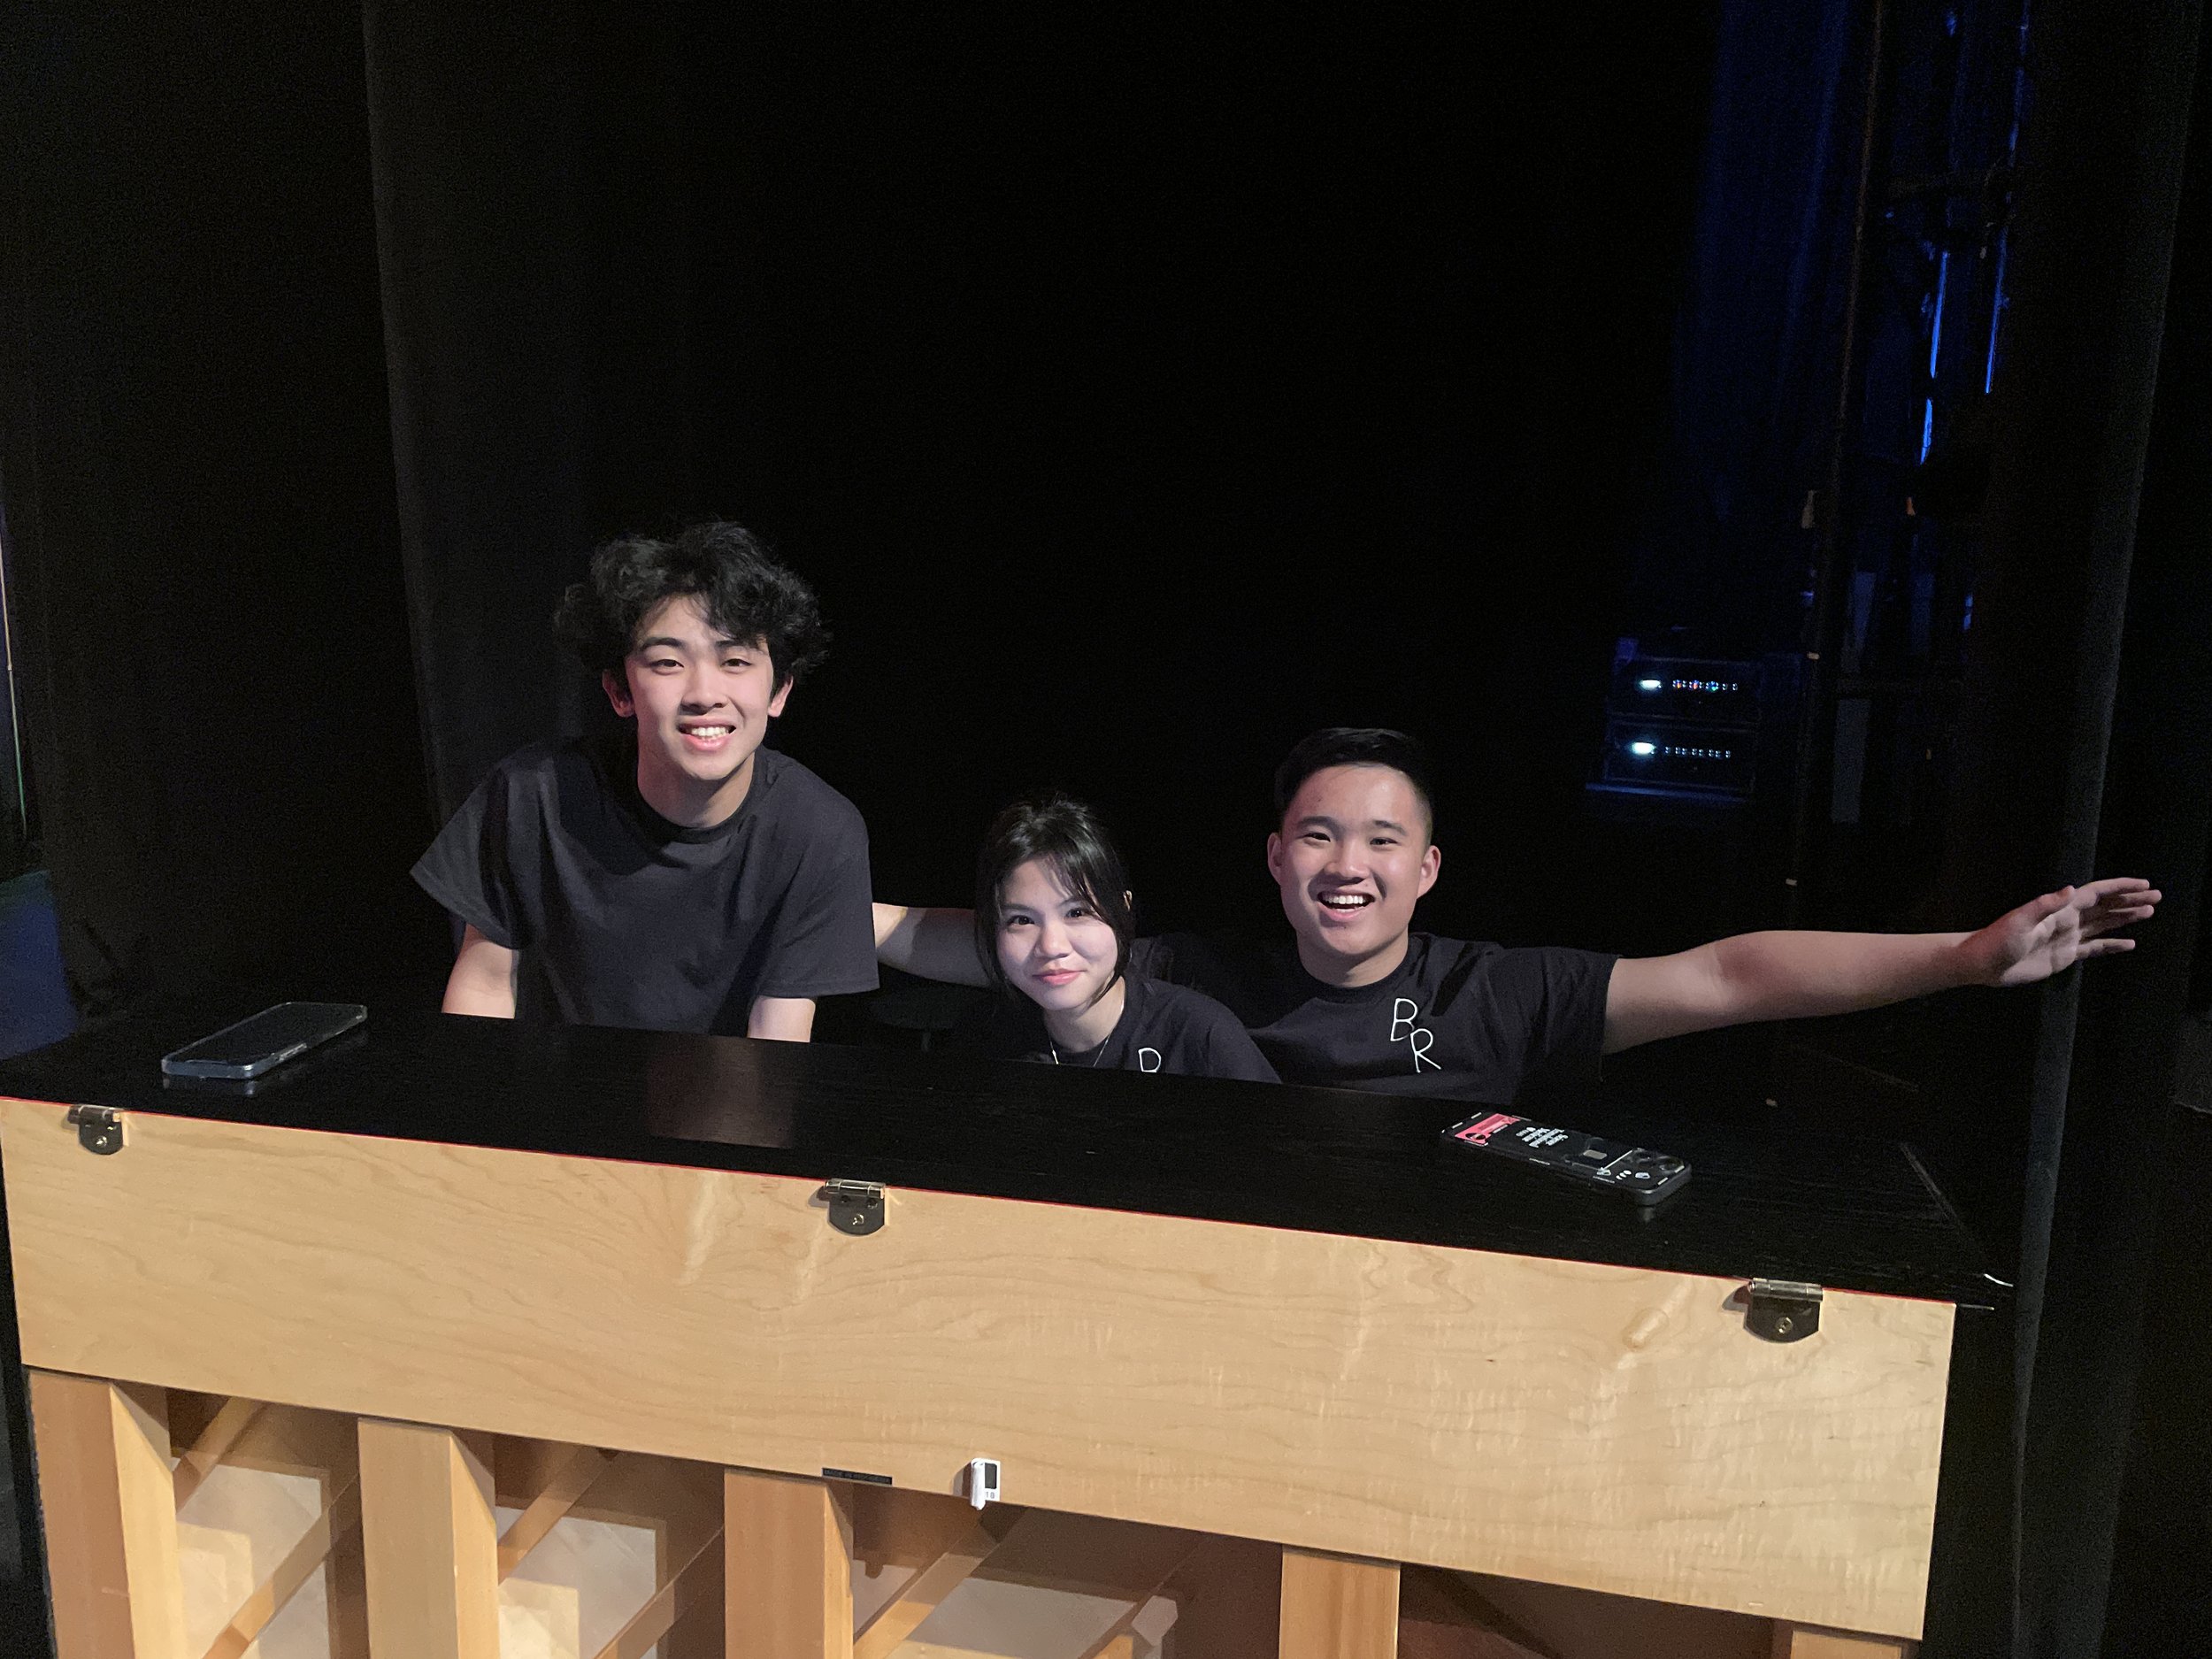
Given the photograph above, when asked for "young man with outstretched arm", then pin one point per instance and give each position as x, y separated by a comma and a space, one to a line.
680, 877
1360, 1000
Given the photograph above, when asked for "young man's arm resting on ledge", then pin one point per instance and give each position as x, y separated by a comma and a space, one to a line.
932, 944
1796, 975
483, 978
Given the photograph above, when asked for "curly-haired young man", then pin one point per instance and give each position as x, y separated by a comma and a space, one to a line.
682, 877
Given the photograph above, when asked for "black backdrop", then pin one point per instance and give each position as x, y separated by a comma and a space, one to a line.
1140, 388
211, 644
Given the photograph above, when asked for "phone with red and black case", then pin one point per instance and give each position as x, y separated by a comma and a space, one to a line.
1639, 1172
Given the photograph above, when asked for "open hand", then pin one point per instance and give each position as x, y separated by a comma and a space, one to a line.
2049, 934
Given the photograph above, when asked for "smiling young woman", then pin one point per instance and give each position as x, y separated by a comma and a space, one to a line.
1054, 928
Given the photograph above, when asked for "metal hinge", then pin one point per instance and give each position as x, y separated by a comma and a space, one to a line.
99, 1128
855, 1207
1782, 1309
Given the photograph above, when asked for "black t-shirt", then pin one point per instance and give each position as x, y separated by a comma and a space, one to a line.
1459, 1020
623, 918
1162, 1027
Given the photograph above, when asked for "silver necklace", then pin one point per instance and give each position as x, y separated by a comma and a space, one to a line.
1096, 1058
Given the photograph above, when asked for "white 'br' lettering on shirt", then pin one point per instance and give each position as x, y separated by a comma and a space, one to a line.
1403, 1011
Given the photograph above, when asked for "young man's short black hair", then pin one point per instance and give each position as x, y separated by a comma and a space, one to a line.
747, 595
1067, 835
1354, 746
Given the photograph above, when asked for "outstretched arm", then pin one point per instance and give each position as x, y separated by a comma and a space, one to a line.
933, 944
1795, 975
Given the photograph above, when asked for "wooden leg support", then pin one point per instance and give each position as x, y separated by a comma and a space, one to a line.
111, 1510
789, 1568
1802, 1642
1338, 1606
431, 1543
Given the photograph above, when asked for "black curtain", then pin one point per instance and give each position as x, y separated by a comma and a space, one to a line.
2158, 817
210, 646
1140, 388
474, 116
2053, 789
2125, 1158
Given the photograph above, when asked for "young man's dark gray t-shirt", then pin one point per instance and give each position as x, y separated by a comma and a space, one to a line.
623, 918
1457, 1019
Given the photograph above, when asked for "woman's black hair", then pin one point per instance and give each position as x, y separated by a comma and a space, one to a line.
747, 595
1067, 835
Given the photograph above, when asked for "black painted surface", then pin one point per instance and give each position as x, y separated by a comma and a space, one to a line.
1847, 1214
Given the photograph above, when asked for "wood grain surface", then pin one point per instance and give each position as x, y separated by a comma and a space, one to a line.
1609, 1427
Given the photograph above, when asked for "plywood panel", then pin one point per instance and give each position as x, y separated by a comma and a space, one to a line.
1601, 1427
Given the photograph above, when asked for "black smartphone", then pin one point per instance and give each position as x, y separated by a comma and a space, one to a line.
263, 1041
